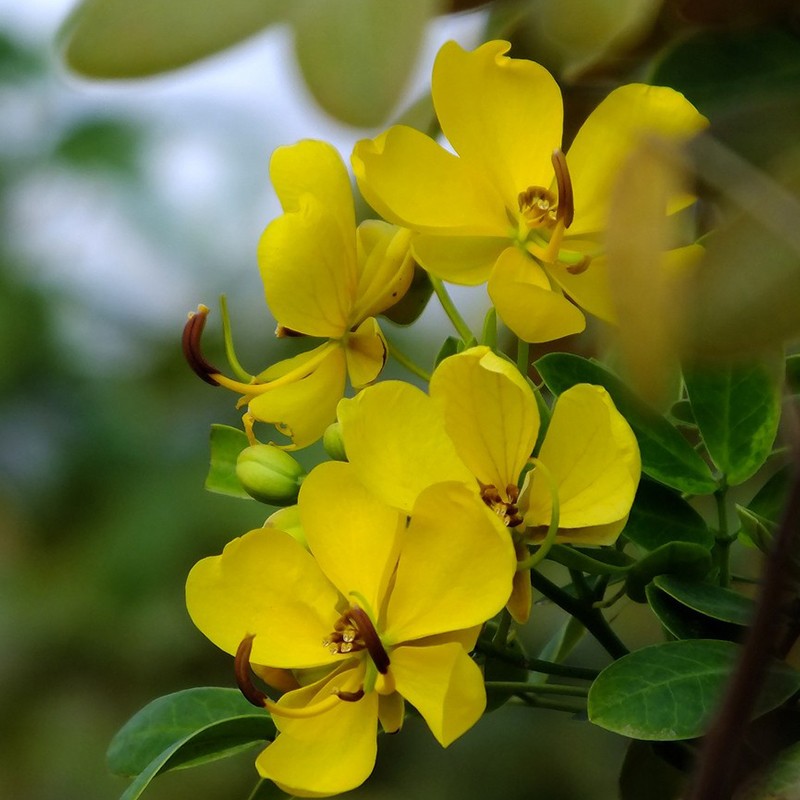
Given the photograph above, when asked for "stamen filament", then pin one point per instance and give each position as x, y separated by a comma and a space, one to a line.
552, 531
566, 200
369, 635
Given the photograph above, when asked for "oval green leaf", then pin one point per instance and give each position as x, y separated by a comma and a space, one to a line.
659, 516
705, 598
226, 444
666, 455
679, 558
682, 622
668, 692
357, 55
112, 39
737, 409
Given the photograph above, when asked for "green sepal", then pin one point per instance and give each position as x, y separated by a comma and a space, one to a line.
676, 558
737, 408
666, 455
667, 692
183, 730
659, 516
226, 444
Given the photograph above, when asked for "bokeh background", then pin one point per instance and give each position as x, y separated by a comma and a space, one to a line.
122, 205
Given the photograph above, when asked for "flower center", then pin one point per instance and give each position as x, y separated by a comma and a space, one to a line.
354, 631
507, 510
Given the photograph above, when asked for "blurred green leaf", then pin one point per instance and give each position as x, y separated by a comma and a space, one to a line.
17, 60
659, 516
185, 729
106, 144
770, 499
793, 373
779, 781
357, 55
667, 692
120, 39
678, 558
666, 455
737, 409
705, 598
226, 444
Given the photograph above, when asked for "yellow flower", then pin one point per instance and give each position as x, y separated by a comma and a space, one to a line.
384, 607
509, 207
325, 278
479, 427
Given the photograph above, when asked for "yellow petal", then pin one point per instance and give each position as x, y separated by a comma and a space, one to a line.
303, 409
410, 180
314, 168
353, 535
391, 710
489, 412
328, 754
308, 266
593, 458
444, 684
366, 351
610, 133
595, 535
589, 289
288, 520
519, 603
385, 267
266, 584
467, 260
502, 115
452, 538
395, 439
525, 301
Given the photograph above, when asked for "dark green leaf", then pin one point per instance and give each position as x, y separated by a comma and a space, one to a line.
185, 729
737, 409
104, 144
679, 558
357, 55
666, 455
226, 444
413, 302
450, 346
668, 691
681, 412
120, 39
793, 373
659, 516
705, 598
779, 781
682, 622
594, 561
771, 497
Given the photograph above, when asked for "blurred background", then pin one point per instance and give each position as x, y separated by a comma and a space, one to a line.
124, 203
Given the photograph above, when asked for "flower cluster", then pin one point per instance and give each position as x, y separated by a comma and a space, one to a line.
372, 591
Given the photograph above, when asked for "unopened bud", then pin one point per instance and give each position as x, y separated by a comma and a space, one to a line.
269, 474
333, 442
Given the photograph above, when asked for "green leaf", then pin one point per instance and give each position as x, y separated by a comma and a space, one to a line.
679, 558
121, 39
450, 347
770, 499
185, 729
357, 55
106, 144
668, 692
226, 444
594, 561
666, 455
793, 373
682, 622
779, 781
705, 598
659, 516
737, 409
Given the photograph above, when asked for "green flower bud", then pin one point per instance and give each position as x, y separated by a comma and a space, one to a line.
269, 474
333, 443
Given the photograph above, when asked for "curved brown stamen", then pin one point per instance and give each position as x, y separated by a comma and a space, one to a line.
192, 333
244, 680
566, 202
370, 637
351, 697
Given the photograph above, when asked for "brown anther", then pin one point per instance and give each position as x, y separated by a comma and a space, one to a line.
507, 510
369, 636
192, 333
244, 680
581, 266
566, 201
281, 331
351, 697
538, 206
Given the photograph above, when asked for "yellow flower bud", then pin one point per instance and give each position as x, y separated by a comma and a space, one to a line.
269, 474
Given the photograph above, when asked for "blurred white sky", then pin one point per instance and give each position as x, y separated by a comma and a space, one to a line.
211, 128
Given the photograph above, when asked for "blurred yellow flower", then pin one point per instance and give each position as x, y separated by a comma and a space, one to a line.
383, 605
510, 208
479, 427
325, 278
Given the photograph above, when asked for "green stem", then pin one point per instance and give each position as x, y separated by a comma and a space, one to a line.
523, 357
503, 627
722, 547
519, 687
488, 648
241, 373
450, 309
401, 358
552, 704
592, 618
